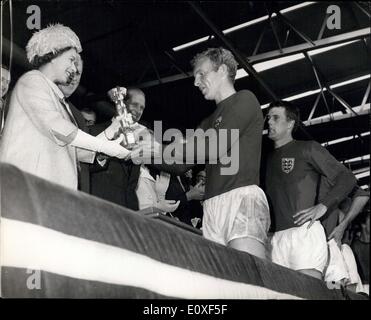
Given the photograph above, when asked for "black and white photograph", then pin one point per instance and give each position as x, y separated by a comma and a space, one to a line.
200, 152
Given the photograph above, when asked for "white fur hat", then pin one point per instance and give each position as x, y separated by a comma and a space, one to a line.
51, 39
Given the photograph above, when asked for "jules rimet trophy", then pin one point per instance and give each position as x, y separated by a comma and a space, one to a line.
117, 95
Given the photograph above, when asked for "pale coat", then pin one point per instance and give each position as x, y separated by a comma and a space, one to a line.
38, 131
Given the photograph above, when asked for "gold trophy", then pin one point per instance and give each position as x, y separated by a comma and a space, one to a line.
117, 95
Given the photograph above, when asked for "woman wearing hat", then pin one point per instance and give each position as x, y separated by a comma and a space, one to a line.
40, 135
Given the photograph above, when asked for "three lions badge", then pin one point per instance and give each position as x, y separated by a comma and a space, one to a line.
217, 122
287, 164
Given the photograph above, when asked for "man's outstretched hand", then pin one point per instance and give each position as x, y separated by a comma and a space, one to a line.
196, 192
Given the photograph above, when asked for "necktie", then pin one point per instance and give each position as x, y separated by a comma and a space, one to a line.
67, 109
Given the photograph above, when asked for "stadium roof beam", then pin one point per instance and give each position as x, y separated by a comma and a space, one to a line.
271, 23
260, 40
174, 63
343, 139
298, 32
321, 82
244, 25
362, 9
318, 79
323, 26
361, 110
367, 93
314, 107
341, 38
152, 60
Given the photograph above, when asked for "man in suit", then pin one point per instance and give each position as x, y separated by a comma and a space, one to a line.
116, 180
68, 90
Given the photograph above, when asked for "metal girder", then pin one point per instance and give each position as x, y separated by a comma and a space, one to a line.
358, 160
298, 32
271, 23
342, 101
145, 70
314, 107
323, 27
361, 170
260, 40
287, 36
362, 9
367, 93
174, 63
320, 84
361, 110
320, 79
239, 57
275, 33
341, 38
152, 60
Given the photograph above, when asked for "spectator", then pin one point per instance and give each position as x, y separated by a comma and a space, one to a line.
188, 195
197, 202
151, 191
89, 116
342, 267
5, 81
361, 248
349, 209
113, 179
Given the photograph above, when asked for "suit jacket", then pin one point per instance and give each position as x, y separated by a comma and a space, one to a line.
84, 176
38, 132
117, 180
176, 192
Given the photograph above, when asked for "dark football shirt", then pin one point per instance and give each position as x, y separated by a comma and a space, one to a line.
293, 176
239, 111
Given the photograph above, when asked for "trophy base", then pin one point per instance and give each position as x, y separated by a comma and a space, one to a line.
128, 141
128, 146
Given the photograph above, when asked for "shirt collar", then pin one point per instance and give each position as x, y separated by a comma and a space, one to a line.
144, 172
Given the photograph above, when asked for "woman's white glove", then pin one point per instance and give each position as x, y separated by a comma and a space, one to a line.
167, 205
161, 184
112, 130
111, 148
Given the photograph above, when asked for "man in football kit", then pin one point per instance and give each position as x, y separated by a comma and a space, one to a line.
236, 211
294, 170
